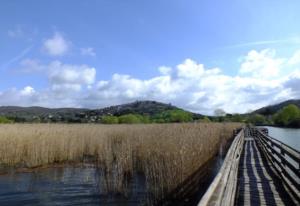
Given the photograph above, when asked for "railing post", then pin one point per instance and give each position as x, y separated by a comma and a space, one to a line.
272, 145
282, 156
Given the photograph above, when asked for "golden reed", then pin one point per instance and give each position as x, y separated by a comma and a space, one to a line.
165, 153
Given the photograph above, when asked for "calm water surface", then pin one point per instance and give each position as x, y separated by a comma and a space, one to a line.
62, 186
83, 186
288, 136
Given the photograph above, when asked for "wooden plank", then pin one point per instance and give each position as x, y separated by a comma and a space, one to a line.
223, 188
289, 181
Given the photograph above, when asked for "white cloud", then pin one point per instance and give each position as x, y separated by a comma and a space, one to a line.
190, 69
262, 64
56, 45
67, 84
165, 70
292, 84
60, 73
26, 96
188, 85
27, 91
68, 78
295, 59
89, 51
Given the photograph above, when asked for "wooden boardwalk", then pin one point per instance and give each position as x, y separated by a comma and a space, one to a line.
257, 170
258, 183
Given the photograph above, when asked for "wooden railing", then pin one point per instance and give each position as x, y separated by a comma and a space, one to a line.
284, 159
223, 189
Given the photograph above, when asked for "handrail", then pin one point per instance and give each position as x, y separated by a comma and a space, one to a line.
279, 142
223, 188
287, 168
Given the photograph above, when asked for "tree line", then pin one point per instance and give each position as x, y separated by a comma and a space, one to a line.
288, 116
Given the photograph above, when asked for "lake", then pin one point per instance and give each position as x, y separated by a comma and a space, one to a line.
66, 185
82, 185
288, 136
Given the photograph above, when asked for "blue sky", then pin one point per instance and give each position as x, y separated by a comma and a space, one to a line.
199, 55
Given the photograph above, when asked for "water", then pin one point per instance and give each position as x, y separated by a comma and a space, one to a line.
71, 185
288, 136
62, 186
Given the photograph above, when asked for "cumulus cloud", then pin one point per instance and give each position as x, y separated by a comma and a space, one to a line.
192, 87
26, 96
189, 85
292, 84
89, 51
190, 69
60, 73
262, 64
165, 70
27, 91
57, 45
67, 84
65, 77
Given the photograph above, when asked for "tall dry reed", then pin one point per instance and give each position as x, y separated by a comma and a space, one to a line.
165, 153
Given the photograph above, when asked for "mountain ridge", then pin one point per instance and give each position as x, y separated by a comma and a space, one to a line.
147, 107
272, 109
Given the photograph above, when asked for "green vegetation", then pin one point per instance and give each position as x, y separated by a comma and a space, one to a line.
204, 120
169, 116
286, 114
108, 119
130, 119
176, 115
289, 116
256, 119
4, 120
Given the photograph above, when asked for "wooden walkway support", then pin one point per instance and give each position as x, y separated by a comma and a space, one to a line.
263, 171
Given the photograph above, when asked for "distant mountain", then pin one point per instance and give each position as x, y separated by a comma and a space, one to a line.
272, 109
85, 115
36, 111
149, 108
138, 107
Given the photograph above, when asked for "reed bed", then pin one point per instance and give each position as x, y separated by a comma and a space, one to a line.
165, 153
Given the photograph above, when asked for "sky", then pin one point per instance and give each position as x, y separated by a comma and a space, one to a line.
236, 55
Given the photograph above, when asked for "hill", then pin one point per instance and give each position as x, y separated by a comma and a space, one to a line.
41, 114
138, 107
14, 110
272, 109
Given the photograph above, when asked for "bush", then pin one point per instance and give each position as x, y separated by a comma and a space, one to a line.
178, 116
130, 119
109, 120
204, 120
237, 118
4, 120
257, 119
287, 116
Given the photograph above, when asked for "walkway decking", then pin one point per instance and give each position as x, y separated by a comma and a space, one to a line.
257, 182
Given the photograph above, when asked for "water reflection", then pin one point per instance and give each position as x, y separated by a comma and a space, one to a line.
62, 186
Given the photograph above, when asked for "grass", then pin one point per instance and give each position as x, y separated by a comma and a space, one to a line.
165, 153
